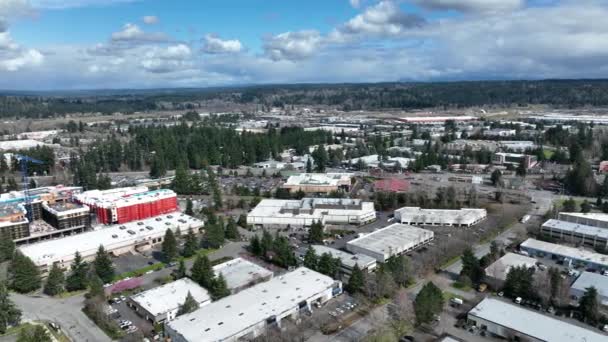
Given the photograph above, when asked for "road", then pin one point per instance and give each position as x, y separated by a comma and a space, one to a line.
66, 312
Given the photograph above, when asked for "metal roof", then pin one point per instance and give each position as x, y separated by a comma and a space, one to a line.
171, 296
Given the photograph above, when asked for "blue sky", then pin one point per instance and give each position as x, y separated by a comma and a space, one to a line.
74, 44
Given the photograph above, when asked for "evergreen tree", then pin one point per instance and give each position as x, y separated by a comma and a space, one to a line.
232, 231
326, 265
96, 289
399, 268
55, 281
242, 221
202, 271
7, 246
36, 333
214, 236
589, 306
77, 278
104, 182
471, 267
190, 305
169, 246
10, 315
181, 183
255, 246
585, 207
308, 166
356, 282
429, 303
189, 209
25, 276
266, 243
569, 205
315, 233
310, 259
181, 270
190, 244
219, 288
520, 283
103, 265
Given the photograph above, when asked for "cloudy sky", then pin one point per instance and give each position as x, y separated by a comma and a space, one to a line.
84, 44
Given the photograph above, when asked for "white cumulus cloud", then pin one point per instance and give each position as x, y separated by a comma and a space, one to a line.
150, 20
293, 45
133, 33
213, 44
472, 5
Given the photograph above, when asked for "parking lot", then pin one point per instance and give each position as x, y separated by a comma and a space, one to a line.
127, 318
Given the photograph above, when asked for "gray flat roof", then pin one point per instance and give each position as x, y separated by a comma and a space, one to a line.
168, 297
588, 279
240, 272
532, 323
593, 216
394, 237
349, 260
576, 228
565, 251
238, 312
501, 267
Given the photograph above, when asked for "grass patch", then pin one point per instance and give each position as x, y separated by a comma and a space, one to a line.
67, 294
461, 286
447, 296
548, 153
450, 262
141, 271
15, 330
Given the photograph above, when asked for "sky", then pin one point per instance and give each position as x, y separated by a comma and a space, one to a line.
118, 44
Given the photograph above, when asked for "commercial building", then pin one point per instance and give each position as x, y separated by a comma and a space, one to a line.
48, 194
319, 182
500, 133
435, 120
570, 255
590, 219
272, 213
515, 323
464, 217
66, 215
128, 204
241, 274
576, 233
161, 304
391, 185
13, 221
395, 239
116, 239
587, 280
517, 146
497, 272
247, 314
348, 260
502, 158
472, 145
26, 144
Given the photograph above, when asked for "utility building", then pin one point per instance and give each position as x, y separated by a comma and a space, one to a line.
440, 217
247, 314
274, 213
393, 240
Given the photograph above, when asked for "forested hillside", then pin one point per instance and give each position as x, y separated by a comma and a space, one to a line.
558, 93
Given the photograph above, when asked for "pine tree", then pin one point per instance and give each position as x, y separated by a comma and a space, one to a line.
190, 244
255, 246
310, 259
189, 209
315, 234
356, 280
471, 267
96, 289
202, 271
10, 315
7, 246
219, 288
181, 182
400, 270
232, 231
25, 276
181, 270
169, 246
190, 305
589, 305
55, 281
214, 236
77, 278
103, 265
326, 265
429, 302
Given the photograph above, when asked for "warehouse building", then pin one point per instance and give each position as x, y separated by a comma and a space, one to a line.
271, 213
395, 239
497, 272
247, 314
322, 183
502, 158
587, 280
570, 255
590, 219
576, 233
116, 239
348, 260
161, 304
128, 204
515, 323
241, 274
440, 217
66, 215
13, 221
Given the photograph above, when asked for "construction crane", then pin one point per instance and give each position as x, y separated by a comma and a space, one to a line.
23, 161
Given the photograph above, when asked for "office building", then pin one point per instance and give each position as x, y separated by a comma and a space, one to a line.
464, 217
569, 255
323, 183
576, 233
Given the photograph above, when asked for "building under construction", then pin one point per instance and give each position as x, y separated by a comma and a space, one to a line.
66, 215
13, 221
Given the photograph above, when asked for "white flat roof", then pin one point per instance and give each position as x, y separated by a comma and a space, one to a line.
532, 323
349, 260
19, 144
462, 216
589, 279
277, 208
240, 272
319, 179
565, 251
235, 313
592, 216
394, 237
576, 228
171, 296
111, 237
123, 196
499, 268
